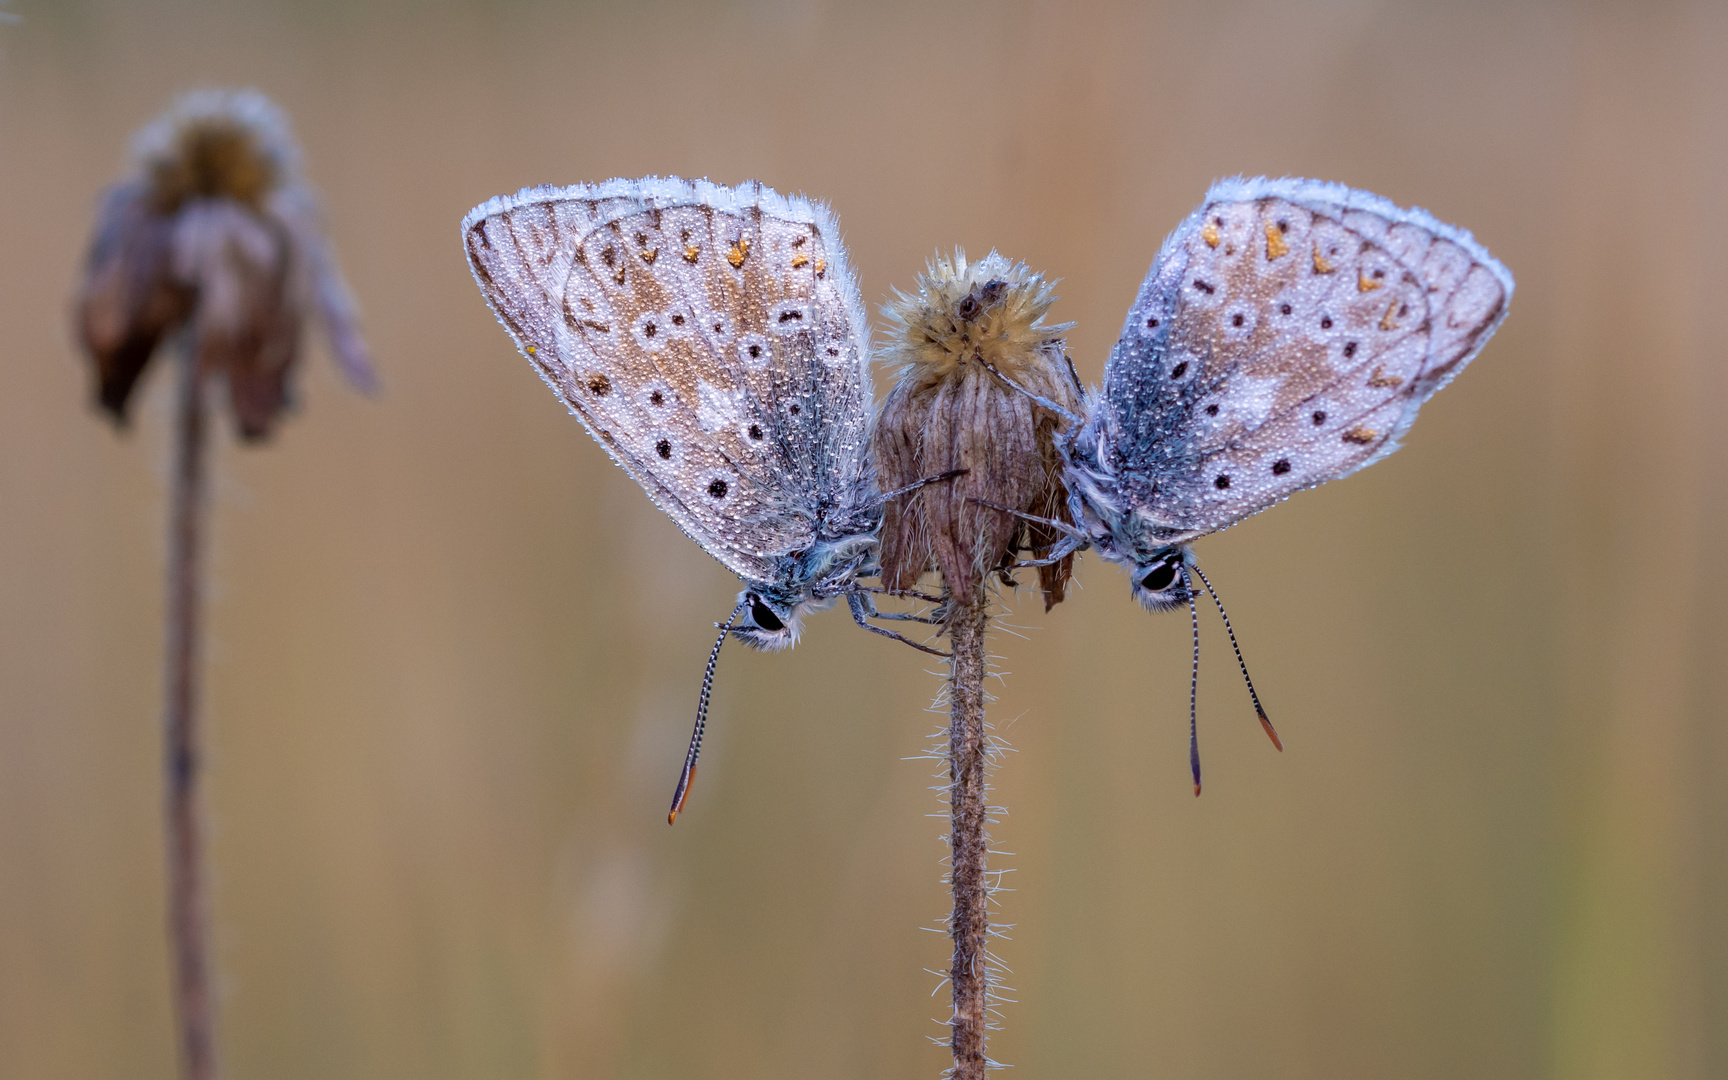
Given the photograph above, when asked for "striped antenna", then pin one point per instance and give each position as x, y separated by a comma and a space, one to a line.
1264, 722
688, 775
1193, 688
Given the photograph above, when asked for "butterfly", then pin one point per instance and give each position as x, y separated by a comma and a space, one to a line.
713, 341
1286, 335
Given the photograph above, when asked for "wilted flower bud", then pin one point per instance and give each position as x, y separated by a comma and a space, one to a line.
948, 411
214, 236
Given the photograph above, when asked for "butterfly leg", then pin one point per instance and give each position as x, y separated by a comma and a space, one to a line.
1073, 420
888, 497
1060, 526
1072, 538
861, 612
871, 611
1065, 547
905, 616
913, 593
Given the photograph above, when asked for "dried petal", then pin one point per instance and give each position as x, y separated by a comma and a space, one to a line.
246, 324
323, 287
130, 298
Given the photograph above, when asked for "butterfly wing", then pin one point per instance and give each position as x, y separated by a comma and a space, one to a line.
1287, 334
711, 339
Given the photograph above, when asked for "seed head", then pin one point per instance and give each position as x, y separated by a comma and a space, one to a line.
948, 411
214, 236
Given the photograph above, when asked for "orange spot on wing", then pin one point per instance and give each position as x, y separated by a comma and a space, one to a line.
800, 259
1386, 322
1275, 245
650, 255
1321, 266
1210, 235
690, 253
740, 248
1363, 284
1381, 379
1360, 435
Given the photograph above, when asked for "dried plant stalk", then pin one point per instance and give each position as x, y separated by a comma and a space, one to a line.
188, 904
969, 923
212, 241
968, 326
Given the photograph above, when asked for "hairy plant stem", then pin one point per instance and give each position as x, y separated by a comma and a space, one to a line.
969, 925
188, 906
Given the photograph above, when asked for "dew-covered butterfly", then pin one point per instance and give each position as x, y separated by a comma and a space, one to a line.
1287, 334
712, 339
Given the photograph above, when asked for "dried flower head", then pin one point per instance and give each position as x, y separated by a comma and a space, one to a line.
948, 411
215, 237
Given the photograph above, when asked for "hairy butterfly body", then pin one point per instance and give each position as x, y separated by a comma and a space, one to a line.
712, 340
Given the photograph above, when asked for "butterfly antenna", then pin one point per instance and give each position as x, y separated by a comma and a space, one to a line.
1067, 415
1264, 722
688, 775
1194, 691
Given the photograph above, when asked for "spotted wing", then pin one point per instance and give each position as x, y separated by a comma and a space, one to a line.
1287, 334
711, 339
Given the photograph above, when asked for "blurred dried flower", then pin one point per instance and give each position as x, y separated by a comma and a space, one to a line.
214, 236
947, 411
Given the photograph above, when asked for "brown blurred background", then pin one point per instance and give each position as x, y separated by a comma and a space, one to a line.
454, 652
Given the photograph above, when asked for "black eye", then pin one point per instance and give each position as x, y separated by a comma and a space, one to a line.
764, 616
1160, 578
969, 308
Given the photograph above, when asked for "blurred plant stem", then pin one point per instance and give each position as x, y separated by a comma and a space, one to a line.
968, 754
188, 903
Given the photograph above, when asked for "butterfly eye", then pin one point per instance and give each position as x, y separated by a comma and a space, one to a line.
1161, 578
763, 616
969, 308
